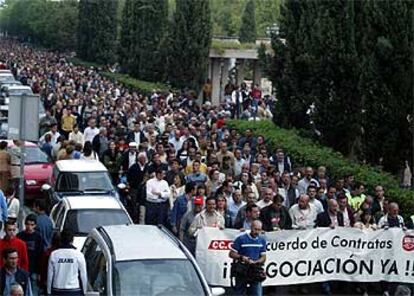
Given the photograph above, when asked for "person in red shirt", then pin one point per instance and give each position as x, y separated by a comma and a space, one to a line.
11, 241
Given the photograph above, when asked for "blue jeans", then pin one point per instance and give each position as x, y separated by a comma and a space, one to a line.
252, 289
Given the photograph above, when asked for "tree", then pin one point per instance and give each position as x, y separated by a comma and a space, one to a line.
97, 30
49, 24
189, 43
126, 39
351, 61
267, 14
387, 82
151, 18
248, 24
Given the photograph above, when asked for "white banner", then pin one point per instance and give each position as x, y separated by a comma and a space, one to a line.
317, 255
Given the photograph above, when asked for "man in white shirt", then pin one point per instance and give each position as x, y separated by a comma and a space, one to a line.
66, 273
76, 135
303, 214
91, 131
158, 193
305, 181
267, 198
54, 134
313, 200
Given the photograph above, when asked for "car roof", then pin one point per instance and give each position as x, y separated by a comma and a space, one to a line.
5, 71
19, 87
79, 202
138, 242
26, 144
80, 165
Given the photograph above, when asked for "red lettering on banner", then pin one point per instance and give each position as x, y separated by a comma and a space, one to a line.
408, 243
220, 245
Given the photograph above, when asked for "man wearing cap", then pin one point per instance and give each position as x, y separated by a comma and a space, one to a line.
210, 217
158, 193
188, 240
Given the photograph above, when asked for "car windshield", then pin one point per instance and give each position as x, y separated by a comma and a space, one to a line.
6, 78
81, 222
35, 155
84, 182
156, 278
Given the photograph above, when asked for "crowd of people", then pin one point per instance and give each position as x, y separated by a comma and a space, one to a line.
183, 166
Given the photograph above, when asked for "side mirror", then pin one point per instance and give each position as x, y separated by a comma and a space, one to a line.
45, 187
121, 186
217, 291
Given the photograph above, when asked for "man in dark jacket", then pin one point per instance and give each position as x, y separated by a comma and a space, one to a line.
135, 177
34, 243
332, 217
11, 273
275, 216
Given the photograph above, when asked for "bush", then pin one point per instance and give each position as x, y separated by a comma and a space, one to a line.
304, 151
133, 83
130, 82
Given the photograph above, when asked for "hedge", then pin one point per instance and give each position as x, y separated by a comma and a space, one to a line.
307, 152
130, 82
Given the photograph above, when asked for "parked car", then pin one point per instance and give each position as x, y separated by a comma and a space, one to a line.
78, 177
37, 169
141, 260
6, 77
81, 214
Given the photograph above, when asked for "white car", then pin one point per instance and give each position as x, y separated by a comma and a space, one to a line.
6, 77
81, 214
79, 177
141, 260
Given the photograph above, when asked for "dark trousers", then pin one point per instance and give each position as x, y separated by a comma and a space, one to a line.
67, 292
250, 289
156, 213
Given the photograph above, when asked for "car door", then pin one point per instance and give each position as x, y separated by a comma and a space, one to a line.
96, 267
57, 213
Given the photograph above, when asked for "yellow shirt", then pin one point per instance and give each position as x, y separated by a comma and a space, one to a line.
68, 121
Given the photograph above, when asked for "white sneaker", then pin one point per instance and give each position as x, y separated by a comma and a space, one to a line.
386, 293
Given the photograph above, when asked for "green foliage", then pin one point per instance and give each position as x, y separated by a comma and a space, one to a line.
352, 60
226, 16
143, 35
145, 87
189, 43
307, 152
46, 23
221, 45
97, 30
248, 24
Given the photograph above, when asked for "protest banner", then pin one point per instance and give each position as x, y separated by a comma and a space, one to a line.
316, 255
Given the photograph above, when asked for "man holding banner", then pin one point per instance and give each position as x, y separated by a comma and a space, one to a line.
250, 249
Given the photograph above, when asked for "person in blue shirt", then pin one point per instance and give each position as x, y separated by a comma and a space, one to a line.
181, 207
3, 209
249, 248
43, 224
